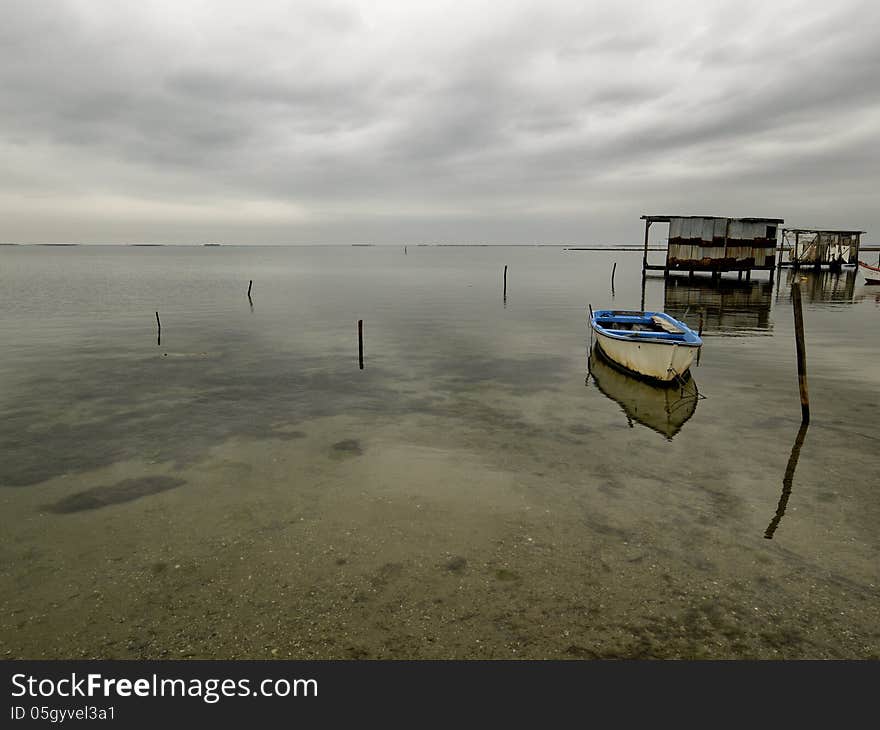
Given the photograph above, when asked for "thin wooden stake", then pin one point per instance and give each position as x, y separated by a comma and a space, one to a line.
361, 343
801, 350
249, 288
643, 289
505, 281
159, 325
591, 325
613, 270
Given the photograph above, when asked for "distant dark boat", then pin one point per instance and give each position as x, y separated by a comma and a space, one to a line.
872, 281
649, 344
662, 409
210, 244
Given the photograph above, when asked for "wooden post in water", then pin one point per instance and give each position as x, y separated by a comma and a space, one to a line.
159, 326
700, 334
249, 288
591, 325
613, 270
361, 343
801, 350
505, 282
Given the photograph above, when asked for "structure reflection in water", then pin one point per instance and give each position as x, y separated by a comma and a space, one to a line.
662, 409
787, 480
819, 286
729, 307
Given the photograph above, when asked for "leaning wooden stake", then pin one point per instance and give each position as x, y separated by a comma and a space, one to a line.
249, 288
801, 350
361, 343
159, 326
613, 270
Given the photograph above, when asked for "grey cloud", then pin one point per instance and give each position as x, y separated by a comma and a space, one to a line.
374, 117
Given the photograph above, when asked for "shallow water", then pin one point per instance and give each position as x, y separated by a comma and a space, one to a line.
243, 489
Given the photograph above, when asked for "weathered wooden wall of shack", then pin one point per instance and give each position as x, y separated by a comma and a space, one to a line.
721, 243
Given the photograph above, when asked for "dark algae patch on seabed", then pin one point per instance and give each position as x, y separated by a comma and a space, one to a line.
470, 493
123, 491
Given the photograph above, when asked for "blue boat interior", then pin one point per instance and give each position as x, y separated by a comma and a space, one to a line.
644, 325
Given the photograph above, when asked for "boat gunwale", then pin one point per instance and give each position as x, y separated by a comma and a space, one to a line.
687, 338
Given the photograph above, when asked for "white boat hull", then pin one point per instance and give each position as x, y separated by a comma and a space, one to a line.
655, 360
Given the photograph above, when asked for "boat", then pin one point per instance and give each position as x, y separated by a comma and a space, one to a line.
652, 345
662, 409
875, 280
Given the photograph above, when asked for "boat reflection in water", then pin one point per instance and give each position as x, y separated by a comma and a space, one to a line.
662, 409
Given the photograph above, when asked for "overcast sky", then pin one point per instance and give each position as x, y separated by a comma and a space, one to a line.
418, 122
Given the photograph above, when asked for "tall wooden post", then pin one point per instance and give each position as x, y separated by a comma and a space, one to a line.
801, 351
645, 256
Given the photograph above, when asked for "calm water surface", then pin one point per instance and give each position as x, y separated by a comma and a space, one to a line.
480, 489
